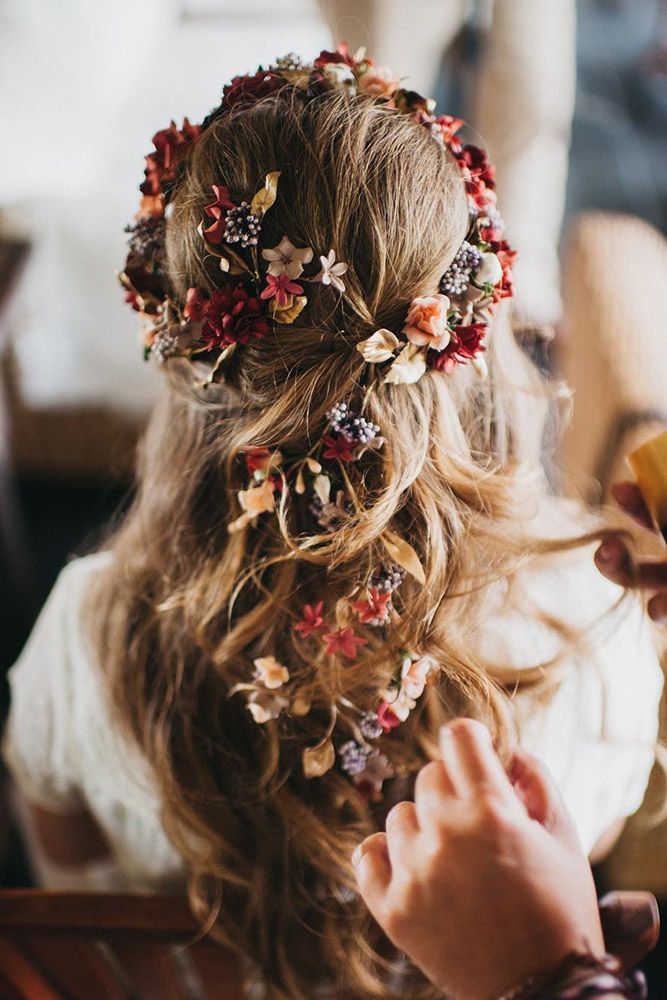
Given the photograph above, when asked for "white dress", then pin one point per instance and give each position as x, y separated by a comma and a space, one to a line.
596, 734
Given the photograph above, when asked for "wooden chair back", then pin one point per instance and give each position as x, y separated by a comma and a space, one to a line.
76, 946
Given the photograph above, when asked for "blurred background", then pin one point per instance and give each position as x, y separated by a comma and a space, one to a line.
571, 100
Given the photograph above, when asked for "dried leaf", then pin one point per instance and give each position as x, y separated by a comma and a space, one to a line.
288, 313
266, 196
318, 760
300, 485
218, 367
322, 488
404, 556
300, 706
313, 465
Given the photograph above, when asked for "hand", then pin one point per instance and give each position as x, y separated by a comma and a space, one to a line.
481, 880
616, 562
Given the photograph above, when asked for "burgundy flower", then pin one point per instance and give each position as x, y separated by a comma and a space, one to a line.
234, 317
466, 343
171, 146
340, 448
477, 162
217, 210
341, 55
252, 88
312, 619
278, 286
345, 642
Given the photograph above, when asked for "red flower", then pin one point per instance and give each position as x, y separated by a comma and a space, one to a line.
217, 211
345, 642
234, 317
196, 304
278, 286
339, 447
312, 619
505, 254
341, 55
376, 608
251, 88
171, 145
466, 343
386, 717
256, 459
448, 127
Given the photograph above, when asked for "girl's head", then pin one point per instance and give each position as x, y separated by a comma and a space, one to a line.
289, 616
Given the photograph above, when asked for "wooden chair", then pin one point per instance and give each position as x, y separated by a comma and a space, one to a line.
75, 946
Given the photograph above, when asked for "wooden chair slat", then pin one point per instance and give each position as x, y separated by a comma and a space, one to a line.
149, 967
21, 977
159, 915
219, 971
72, 965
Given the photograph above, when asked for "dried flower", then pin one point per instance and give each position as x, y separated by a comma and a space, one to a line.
255, 501
490, 270
270, 673
233, 316
196, 305
369, 782
375, 609
387, 718
251, 88
339, 447
387, 578
379, 81
279, 287
264, 706
331, 272
242, 226
408, 366
344, 641
465, 344
287, 313
380, 346
312, 620
426, 324
287, 259
171, 146
415, 673
353, 756
456, 278
217, 210
370, 727
146, 236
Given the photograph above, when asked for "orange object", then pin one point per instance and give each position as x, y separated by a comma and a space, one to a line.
649, 464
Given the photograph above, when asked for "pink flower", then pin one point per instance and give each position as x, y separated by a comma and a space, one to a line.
279, 286
414, 675
345, 642
312, 619
386, 717
375, 608
217, 210
426, 322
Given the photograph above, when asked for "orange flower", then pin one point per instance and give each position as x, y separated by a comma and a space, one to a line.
378, 82
426, 322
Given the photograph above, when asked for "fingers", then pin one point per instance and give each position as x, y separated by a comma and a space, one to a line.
628, 496
537, 790
373, 869
615, 561
470, 761
631, 925
657, 608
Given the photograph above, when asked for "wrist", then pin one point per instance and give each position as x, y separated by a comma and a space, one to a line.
581, 975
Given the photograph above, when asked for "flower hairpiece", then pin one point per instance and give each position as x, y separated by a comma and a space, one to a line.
322, 480
261, 286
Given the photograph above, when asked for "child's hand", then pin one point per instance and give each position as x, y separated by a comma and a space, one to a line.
616, 562
481, 880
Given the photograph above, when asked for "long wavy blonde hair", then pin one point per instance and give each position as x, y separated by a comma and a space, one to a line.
185, 606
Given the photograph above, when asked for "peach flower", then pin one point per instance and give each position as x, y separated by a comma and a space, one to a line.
271, 673
426, 322
379, 81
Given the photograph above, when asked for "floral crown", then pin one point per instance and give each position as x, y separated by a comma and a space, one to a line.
264, 287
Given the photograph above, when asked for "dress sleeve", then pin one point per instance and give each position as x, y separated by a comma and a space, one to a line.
598, 734
38, 745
